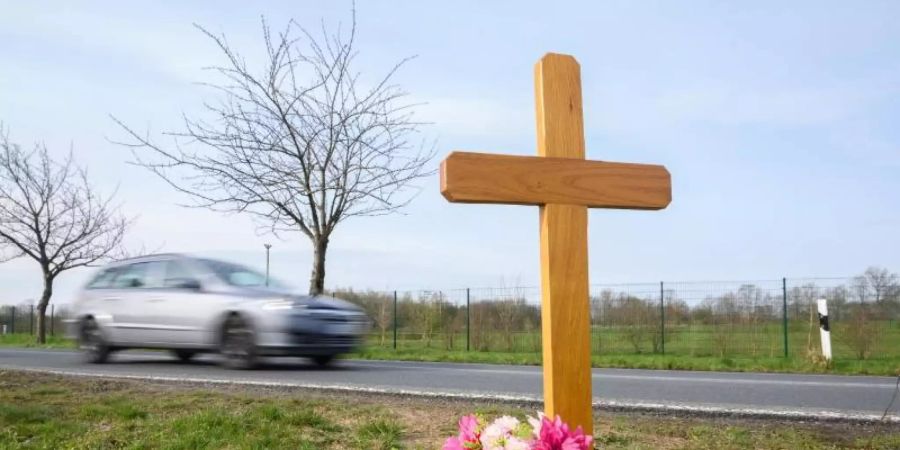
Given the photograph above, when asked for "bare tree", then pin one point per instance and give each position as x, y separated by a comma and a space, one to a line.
300, 142
454, 322
50, 213
884, 285
425, 314
383, 316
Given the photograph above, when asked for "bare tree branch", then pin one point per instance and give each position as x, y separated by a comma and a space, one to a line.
50, 213
301, 142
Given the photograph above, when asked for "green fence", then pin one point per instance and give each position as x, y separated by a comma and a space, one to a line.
757, 319
764, 318
22, 319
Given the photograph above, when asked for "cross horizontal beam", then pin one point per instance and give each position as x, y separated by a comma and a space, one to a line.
535, 180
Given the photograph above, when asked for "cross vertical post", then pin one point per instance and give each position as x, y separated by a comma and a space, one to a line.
564, 185
565, 313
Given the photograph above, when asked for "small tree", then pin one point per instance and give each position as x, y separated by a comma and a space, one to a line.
885, 291
383, 316
635, 313
300, 141
454, 323
50, 213
858, 333
509, 311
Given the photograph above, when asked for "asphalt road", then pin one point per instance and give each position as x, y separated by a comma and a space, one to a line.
754, 394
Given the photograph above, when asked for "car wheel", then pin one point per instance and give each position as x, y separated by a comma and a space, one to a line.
323, 360
184, 355
92, 344
238, 344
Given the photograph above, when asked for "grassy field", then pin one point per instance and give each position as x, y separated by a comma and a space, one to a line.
725, 340
52, 412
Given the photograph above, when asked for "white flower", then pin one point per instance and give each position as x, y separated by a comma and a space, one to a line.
507, 423
536, 423
498, 435
514, 443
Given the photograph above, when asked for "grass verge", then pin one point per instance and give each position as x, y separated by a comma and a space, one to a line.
49, 412
886, 367
30, 341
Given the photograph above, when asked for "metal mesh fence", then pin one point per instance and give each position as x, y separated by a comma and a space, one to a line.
22, 319
757, 319
864, 316
762, 318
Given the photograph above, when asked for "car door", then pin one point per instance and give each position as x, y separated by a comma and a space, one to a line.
123, 300
101, 301
185, 308
137, 318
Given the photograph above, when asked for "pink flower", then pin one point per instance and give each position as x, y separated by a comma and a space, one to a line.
469, 434
555, 435
453, 444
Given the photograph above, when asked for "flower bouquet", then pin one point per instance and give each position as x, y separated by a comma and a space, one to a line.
508, 433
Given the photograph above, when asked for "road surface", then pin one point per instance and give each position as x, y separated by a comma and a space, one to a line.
754, 394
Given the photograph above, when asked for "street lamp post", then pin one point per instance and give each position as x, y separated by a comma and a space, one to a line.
267, 246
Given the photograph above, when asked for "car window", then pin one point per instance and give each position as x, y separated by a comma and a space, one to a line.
103, 279
131, 276
176, 274
236, 275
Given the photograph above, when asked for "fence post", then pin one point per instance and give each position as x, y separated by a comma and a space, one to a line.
784, 320
31, 321
662, 318
395, 320
468, 322
52, 307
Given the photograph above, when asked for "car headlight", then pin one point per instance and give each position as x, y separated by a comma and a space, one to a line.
282, 304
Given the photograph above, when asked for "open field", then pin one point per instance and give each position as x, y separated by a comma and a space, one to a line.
45, 411
724, 341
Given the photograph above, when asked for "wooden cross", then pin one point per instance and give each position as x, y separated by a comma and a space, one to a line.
564, 185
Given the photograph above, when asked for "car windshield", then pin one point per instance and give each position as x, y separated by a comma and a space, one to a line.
237, 275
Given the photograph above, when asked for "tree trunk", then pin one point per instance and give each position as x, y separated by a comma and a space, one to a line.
42, 308
317, 279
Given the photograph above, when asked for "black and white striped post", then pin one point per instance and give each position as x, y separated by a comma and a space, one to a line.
824, 329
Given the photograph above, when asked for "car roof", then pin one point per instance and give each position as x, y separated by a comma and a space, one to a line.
145, 258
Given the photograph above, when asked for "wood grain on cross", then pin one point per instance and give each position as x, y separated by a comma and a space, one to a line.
564, 185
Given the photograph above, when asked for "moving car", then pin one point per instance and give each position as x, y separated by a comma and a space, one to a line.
191, 305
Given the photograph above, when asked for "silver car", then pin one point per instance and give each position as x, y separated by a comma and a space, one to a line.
191, 305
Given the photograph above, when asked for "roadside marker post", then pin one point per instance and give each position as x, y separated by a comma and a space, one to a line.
824, 329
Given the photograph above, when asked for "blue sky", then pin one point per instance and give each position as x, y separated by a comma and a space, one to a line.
779, 124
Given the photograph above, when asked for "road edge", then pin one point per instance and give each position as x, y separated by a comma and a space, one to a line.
681, 410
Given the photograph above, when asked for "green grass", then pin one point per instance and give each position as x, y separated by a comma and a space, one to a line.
53, 412
50, 412
886, 367
27, 340
731, 340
